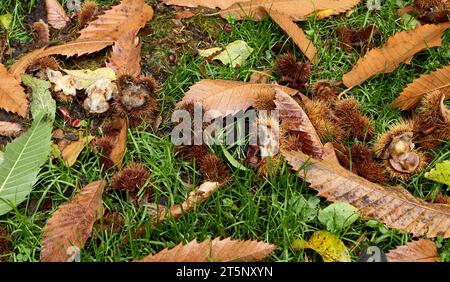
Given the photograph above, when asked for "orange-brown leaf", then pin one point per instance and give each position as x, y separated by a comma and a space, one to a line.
296, 33
222, 4
216, 250
126, 55
71, 224
128, 16
398, 49
227, 96
56, 15
294, 119
118, 151
12, 95
427, 83
41, 33
393, 206
422, 250
73, 48
10, 128
297, 9
196, 197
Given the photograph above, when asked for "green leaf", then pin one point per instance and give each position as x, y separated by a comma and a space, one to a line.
235, 53
5, 20
338, 216
232, 160
409, 21
42, 98
306, 209
441, 173
327, 245
24, 156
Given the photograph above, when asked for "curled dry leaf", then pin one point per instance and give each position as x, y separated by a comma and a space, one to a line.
118, 151
56, 15
398, 49
216, 250
128, 16
65, 83
394, 206
71, 224
422, 250
296, 33
73, 48
427, 83
196, 197
228, 97
10, 128
12, 95
126, 55
294, 119
222, 4
257, 8
41, 33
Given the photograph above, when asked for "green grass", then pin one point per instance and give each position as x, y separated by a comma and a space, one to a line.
250, 206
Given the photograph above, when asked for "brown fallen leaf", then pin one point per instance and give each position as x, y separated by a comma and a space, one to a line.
351, 39
71, 224
41, 33
118, 151
427, 83
196, 197
126, 55
184, 15
10, 128
294, 119
393, 206
296, 33
73, 48
398, 49
422, 250
12, 95
128, 16
222, 4
297, 9
56, 15
216, 250
227, 96
260, 77
71, 152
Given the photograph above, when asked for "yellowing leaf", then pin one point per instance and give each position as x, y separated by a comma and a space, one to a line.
322, 13
327, 245
235, 53
5, 20
70, 153
216, 250
441, 173
86, 78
